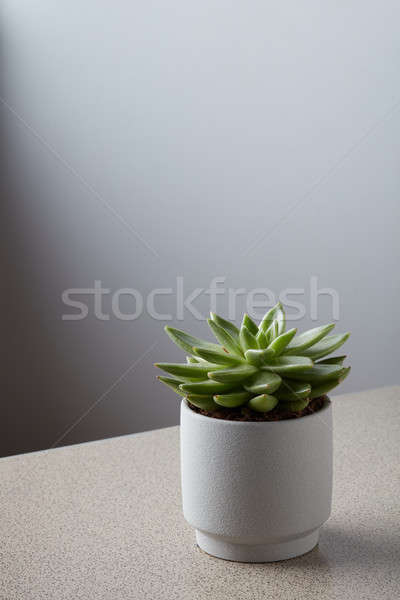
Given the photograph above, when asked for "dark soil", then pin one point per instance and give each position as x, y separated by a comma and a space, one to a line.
244, 413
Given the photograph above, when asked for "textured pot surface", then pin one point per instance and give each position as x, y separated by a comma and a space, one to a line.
256, 491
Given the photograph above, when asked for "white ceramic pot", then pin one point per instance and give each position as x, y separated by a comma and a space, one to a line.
256, 491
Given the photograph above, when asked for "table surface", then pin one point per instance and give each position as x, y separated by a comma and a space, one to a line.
103, 520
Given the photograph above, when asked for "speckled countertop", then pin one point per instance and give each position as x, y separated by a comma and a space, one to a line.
103, 520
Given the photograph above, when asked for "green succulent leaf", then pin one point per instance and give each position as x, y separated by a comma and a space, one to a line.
247, 340
275, 313
308, 338
219, 357
273, 331
280, 343
263, 382
227, 325
334, 360
268, 318
262, 339
204, 402
225, 338
291, 391
324, 388
191, 360
232, 400
195, 370
258, 358
297, 405
281, 320
172, 383
186, 341
263, 403
249, 323
326, 346
284, 365
319, 374
206, 387
256, 366
233, 376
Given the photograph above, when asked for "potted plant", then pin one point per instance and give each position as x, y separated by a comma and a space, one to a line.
256, 435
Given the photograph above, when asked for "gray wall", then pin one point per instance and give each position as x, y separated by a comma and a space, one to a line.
200, 128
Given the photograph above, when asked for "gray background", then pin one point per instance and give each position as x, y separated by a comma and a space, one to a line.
205, 126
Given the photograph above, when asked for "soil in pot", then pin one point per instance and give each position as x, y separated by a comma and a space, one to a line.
277, 414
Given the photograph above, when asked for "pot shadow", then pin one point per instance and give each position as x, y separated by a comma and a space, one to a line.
357, 562
344, 551
362, 548
359, 559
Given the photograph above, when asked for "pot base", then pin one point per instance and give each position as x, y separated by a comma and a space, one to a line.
219, 547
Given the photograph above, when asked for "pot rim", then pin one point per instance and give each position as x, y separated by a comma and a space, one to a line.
227, 422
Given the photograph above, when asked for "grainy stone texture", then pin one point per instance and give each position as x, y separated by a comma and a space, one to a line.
103, 521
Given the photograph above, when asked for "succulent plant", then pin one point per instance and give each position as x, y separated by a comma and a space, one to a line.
257, 366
